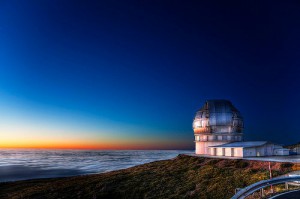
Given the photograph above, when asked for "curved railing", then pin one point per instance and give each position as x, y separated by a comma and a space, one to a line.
243, 193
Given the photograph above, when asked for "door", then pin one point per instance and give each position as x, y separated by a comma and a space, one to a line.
232, 152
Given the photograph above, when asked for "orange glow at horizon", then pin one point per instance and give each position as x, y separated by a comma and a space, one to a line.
83, 144
24, 127
93, 147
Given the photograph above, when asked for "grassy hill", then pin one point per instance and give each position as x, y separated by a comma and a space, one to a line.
181, 177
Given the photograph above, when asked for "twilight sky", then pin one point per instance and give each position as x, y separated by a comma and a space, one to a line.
131, 74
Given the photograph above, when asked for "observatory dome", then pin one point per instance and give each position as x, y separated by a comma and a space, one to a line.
218, 116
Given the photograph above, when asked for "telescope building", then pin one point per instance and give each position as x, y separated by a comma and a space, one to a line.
218, 128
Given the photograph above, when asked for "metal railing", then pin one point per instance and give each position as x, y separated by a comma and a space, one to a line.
245, 192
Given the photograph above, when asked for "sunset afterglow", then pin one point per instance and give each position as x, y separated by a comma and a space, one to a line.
61, 129
101, 75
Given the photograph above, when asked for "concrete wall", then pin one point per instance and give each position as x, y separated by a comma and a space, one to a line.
261, 151
265, 150
234, 152
238, 152
199, 149
270, 149
228, 152
220, 151
296, 150
281, 152
249, 152
213, 151
202, 147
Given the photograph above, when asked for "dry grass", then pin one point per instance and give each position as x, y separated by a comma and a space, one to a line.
182, 177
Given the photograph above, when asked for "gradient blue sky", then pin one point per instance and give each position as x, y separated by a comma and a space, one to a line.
133, 73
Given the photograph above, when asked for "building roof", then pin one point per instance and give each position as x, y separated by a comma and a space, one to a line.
242, 144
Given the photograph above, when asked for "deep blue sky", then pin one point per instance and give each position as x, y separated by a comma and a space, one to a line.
141, 69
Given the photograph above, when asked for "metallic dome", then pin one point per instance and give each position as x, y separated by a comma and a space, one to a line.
218, 116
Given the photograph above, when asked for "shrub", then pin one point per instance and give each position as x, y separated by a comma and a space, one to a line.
286, 165
242, 164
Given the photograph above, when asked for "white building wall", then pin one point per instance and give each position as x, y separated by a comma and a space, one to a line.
202, 147
219, 151
249, 152
297, 149
281, 151
228, 152
265, 150
270, 149
261, 151
213, 151
238, 152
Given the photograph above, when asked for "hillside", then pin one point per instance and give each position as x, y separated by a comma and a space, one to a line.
181, 177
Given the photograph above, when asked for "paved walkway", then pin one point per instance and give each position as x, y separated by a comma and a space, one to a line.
290, 158
288, 195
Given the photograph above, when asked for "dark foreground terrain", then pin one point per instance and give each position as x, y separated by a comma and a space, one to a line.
290, 195
182, 177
